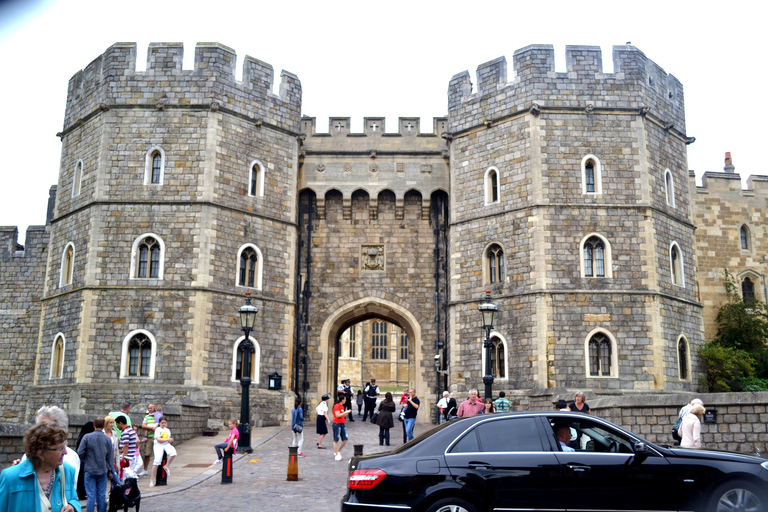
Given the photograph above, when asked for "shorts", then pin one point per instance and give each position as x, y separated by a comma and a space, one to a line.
339, 430
161, 448
147, 448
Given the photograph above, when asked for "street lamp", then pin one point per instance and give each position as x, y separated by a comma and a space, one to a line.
247, 319
488, 309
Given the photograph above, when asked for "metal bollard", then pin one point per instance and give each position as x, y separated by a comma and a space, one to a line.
293, 463
226, 466
162, 476
358, 450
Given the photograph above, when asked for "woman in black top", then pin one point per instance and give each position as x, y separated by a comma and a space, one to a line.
579, 404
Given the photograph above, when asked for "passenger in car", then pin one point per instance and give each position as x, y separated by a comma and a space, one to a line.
563, 434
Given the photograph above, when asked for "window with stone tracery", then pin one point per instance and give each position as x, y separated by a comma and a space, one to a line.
149, 258
139, 356
494, 262
379, 340
600, 356
249, 267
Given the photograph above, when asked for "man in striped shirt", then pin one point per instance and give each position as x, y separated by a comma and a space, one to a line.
129, 445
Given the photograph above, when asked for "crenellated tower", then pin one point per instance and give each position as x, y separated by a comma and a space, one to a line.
176, 196
570, 202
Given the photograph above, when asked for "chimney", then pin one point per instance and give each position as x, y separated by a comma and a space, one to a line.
728, 163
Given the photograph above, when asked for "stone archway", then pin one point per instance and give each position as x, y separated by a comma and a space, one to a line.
363, 309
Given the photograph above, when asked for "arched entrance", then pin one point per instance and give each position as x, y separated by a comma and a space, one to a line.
358, 311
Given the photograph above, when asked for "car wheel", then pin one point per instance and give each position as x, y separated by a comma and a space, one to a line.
452, 505
738, 496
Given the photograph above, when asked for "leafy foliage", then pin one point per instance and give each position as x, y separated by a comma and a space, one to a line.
737, 358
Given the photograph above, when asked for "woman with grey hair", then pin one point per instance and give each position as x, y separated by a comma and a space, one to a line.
690, 428
43, 481
57, 416
579, 403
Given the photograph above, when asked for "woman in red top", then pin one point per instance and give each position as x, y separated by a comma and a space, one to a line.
339, 427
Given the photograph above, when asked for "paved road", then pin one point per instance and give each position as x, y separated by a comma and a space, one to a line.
260, 478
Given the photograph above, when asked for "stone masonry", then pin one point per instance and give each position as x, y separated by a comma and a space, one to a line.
348, 227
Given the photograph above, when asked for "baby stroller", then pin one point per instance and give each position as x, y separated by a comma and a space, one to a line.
124, 496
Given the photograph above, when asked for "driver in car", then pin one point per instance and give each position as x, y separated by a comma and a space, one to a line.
563, 434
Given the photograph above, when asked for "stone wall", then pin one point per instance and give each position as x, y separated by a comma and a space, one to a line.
742, 418
721, 208
21, 281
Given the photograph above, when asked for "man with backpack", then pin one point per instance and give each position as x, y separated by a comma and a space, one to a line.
683, 412
370, 393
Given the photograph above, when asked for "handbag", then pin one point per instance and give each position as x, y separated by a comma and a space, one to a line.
298, 428
374, 417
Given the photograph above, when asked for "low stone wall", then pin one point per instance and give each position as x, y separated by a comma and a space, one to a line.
741, 417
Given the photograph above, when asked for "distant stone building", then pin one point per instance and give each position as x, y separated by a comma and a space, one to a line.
564, 194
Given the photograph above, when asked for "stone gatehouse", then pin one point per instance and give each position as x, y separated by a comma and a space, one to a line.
564, 194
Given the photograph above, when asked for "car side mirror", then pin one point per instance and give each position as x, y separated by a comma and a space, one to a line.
640, 447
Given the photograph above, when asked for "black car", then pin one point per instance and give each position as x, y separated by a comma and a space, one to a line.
515, 462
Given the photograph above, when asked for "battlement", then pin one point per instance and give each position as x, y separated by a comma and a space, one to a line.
37, 237
717, 182
637, 82
373, 127
112, 79
407, 139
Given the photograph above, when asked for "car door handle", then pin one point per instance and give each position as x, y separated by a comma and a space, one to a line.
578, 468
479, 465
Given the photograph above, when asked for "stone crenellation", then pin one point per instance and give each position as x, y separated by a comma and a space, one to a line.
637, 84
111, 81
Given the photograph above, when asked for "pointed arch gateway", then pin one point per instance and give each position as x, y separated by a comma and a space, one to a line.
358, 311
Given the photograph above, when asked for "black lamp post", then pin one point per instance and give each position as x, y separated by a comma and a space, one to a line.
488, 309
247, 319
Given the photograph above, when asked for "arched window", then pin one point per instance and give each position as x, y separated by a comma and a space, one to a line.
491, 185
77, 179
249, 267
57, 357
256, 179
498, 356
683, 359
591, 175
676, 264
747, 290
154, 166
744, 235
237, 360
149, 258
596, 256
139, 353
379, 340
67, 265
669, 187
494, 261
602, 360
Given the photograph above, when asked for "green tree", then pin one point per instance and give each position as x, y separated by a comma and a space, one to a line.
737, 358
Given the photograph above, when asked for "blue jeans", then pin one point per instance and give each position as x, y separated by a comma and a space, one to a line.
383, 436
96, 489
409, 423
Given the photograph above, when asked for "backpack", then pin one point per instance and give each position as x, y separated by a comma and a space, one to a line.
676, 429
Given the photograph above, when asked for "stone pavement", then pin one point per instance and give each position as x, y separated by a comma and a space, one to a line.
259, 479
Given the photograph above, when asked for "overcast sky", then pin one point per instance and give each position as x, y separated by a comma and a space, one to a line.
358, 59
